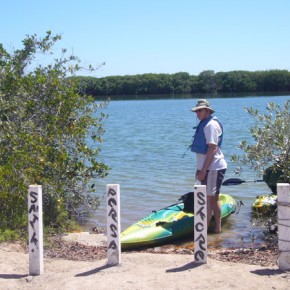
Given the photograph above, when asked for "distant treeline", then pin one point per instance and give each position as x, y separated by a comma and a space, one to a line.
184, 83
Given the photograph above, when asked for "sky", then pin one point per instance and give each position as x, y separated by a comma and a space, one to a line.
157, 36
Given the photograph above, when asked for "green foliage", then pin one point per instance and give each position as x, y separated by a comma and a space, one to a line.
237, 81
271, 134
183, 83
45, 128
8, 235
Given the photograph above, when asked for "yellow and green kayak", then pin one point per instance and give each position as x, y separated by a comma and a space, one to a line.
265, 203
168, 224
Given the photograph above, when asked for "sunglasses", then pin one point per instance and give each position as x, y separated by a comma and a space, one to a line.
199, 110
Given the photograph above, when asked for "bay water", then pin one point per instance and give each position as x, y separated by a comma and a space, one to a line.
145, 145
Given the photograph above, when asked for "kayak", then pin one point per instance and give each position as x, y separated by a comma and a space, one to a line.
169, 224
265, 203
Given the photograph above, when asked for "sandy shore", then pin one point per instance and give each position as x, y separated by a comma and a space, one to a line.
138, 270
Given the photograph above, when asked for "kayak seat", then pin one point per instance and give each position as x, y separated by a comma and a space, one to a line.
188, 201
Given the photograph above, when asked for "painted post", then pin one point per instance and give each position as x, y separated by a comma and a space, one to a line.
283, 190
35, 229
200, 224
113, 224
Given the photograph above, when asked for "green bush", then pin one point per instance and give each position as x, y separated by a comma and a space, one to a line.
272, 144
45, 128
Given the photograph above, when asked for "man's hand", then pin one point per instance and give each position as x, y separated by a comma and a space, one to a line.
200, 175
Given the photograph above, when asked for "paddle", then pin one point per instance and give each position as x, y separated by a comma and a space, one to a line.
237, 181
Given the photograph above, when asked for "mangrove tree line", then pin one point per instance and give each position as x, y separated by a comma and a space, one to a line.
184, 83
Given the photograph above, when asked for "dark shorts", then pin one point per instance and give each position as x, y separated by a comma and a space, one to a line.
213, 181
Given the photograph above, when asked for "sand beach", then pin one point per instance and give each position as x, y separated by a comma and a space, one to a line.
153, 269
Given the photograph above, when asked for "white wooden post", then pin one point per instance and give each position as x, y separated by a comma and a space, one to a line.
283, 190
113, 224
35, 229
200, 224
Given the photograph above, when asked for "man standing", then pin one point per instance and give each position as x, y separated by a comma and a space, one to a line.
211, 165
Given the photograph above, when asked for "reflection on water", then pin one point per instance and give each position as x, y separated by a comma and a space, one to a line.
144, 143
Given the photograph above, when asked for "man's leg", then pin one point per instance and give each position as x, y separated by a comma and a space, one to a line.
217, 214
213, 182
209, 209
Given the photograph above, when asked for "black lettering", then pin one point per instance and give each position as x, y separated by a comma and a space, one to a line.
201, 242
201, 198
113, 229
33, 208
112, 245
34, 196
199, 227
35, 218
201, 213
112, 202
34, 239
113, 214
112, 192
198, 255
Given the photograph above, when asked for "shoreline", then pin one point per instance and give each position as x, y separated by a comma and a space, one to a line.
78, 261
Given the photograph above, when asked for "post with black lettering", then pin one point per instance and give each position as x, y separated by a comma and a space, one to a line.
200, 224
35, 229
283, 190
113, 224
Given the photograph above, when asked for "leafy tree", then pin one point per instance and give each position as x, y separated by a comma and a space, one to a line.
277, 80
45, 128
236, 81
271, 133
207, 81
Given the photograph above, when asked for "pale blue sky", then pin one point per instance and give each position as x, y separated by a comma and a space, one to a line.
158, 36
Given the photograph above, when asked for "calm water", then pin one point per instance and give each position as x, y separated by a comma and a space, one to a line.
144, 143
